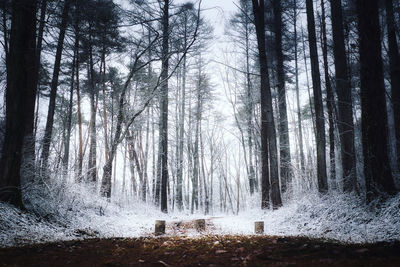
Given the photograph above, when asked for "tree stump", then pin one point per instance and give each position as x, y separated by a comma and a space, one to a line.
159, 227
259, 227
200, 225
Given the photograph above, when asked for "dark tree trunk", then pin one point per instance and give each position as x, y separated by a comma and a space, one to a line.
319, 109
345, 103
164, 109
53, 90
330, 101
284, 146
378, 175
20, 97
394, 63
268, 134
69, 119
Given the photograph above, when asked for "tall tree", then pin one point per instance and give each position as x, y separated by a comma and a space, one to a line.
394, 64
319, 108
330, 100
53, 90
299, 119
378, 175
20, 97
269, 152
164, 107
284, 146
345, 103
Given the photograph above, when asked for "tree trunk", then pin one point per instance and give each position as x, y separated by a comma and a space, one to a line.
378, 175
92, 166
164, 108
319, 109
69, 119
284, 146
78, 102
394, 63
179, 199
53, 90
299, 122
20, 97
268, 134
345, 102
330, 100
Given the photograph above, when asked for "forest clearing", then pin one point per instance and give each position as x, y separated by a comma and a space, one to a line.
200, 132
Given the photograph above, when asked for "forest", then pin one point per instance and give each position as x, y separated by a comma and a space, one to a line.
117, 113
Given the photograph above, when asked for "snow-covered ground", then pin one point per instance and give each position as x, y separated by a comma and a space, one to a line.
79, 213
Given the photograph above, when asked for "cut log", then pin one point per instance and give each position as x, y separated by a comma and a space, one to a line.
159, 227
200, 225
259, 227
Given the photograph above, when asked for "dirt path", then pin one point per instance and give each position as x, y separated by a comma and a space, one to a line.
177, 249
202, 251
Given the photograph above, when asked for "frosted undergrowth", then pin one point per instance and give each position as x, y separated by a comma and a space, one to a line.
78, 212
337, 216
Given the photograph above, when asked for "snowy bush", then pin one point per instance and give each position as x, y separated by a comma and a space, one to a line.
63, 211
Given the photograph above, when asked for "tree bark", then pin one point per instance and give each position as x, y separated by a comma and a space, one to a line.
53, 90
164, 108
345, 102
299, 120
330, 101
179, 197
69, 119
284, 146
20, 97
268, 134
378, 175
319, 109
92, 165
394, 64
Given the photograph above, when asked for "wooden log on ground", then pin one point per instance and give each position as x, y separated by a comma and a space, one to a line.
259, 227
200, 225
159, 227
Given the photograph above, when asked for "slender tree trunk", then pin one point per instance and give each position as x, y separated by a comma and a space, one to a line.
330, 101
78, 102
394, 63
378, 175
299, 120
20, 97
249, 101
284, 146
92, 166
196, 165
179, 199
268, 134
69, 119
106, 143
164, 109
345, 102
319, 109
53, 90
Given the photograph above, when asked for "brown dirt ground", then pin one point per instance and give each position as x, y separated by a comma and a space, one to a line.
204, 250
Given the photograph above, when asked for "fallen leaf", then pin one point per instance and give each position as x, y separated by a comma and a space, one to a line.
220, 251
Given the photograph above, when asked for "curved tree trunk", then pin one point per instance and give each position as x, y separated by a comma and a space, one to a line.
53, 90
